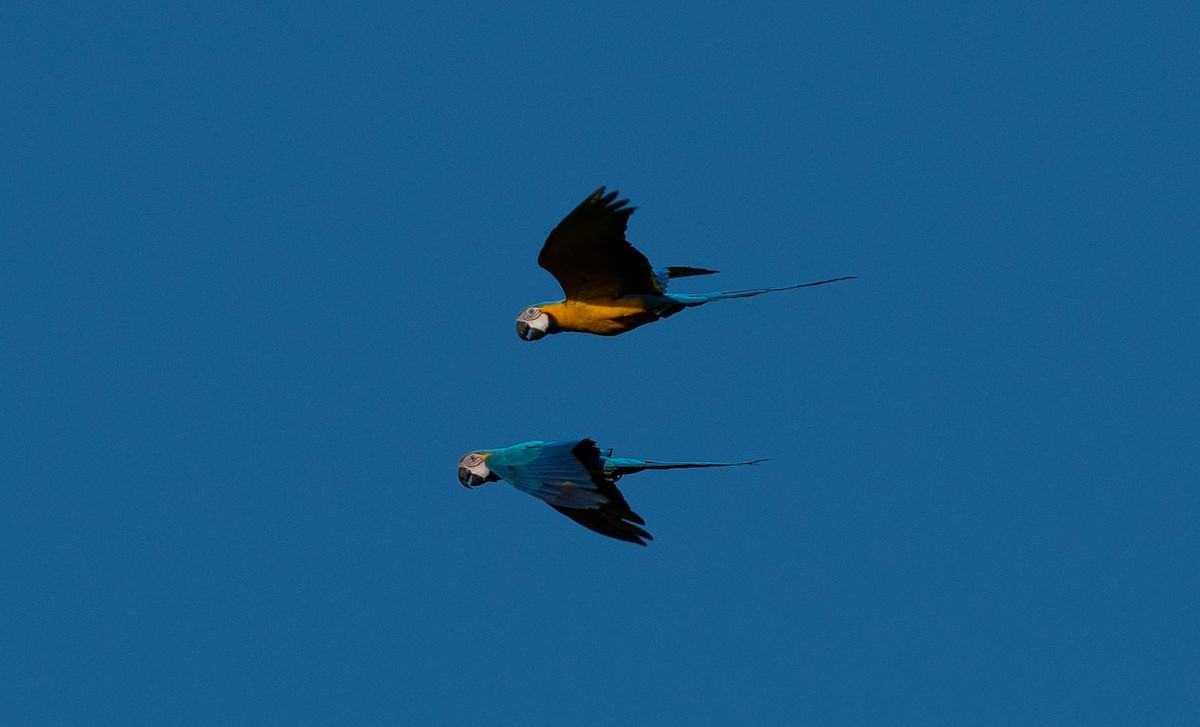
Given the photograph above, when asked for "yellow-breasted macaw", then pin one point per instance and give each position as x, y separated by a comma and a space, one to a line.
574, 477
610, 287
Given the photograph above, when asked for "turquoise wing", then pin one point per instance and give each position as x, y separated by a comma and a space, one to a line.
551, 472
569, 476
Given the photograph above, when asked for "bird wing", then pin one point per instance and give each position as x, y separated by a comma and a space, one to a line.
611, 522
589, 256
569, 476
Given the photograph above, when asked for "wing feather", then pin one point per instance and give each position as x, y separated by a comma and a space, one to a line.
589, 256
607, 521
569, 476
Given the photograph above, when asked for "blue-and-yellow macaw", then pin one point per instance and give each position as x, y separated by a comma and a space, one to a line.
610, 287
574, 477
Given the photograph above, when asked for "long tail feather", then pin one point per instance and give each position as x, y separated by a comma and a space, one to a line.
626, 466
760, 291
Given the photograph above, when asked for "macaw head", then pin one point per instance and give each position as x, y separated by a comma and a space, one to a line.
534, 323
473, 470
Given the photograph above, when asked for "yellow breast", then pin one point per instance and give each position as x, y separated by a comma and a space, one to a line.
604, 318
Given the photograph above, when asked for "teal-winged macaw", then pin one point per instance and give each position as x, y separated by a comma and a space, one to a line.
573, 476
610, 287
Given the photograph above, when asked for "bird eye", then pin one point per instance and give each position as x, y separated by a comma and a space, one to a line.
530, 313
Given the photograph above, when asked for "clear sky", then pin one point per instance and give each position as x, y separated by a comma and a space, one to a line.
258, 275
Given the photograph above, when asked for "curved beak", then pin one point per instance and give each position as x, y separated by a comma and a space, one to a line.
469, 478
528, 332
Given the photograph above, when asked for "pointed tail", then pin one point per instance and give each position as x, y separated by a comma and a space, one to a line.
619, 466
760, 291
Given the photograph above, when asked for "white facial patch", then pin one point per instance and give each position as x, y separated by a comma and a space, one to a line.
476, 465
535, 319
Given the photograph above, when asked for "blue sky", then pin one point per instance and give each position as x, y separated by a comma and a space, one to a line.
258, 276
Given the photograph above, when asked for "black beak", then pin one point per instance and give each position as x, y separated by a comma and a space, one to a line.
528, 333
469, 478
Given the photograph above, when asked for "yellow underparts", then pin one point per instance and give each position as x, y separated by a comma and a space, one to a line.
601, 317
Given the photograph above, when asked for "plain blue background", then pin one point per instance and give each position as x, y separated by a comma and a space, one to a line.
258, 280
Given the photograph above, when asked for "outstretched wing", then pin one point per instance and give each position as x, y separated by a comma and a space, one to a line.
569, 476
610, 521
589, 256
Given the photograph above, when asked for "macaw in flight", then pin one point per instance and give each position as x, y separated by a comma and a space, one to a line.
573, 476
610, 287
